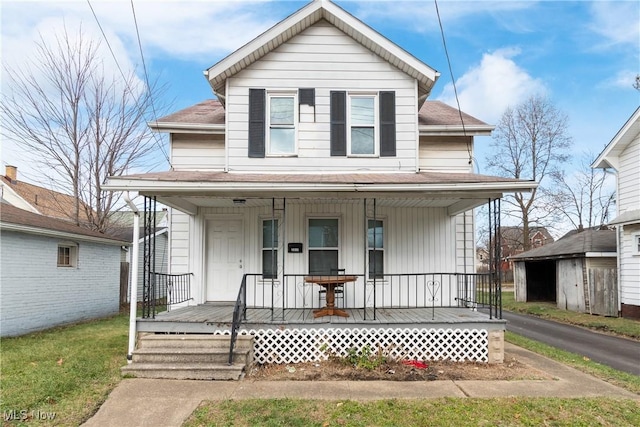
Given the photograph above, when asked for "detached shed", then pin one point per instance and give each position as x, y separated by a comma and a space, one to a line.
578, 272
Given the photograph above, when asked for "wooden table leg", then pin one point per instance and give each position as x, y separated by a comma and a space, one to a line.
329, 309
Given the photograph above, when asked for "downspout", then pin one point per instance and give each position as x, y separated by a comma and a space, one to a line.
133, 297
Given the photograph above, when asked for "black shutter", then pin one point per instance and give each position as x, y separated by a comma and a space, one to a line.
307, 96
256, 122
338, 109
387, 124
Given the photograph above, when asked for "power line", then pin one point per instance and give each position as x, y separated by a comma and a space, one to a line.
453, 82
146, 76
154, 136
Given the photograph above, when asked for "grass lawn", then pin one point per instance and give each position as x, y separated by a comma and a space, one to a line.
67, 371
616, 325
431, 412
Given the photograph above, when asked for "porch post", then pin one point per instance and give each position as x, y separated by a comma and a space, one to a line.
133, 292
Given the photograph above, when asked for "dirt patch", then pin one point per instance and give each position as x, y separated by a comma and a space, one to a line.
339, 369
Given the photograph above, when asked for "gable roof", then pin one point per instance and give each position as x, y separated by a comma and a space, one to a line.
574, 245
305, 18
435, 118
629, 131
514, 234
44, 200
15, 219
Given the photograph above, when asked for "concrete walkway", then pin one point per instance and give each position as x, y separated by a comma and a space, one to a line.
165, 403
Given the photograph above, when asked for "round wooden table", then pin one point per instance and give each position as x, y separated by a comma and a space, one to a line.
330, 283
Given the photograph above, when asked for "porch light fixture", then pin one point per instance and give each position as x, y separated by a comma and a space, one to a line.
239, 201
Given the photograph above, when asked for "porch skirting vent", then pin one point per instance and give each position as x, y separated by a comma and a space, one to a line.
309, 345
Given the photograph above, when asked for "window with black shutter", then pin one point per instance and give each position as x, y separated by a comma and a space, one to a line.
387, 124
338, 107
256, 122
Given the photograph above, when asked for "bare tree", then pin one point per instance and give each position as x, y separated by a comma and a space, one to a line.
530, 142
79, 124
583, 197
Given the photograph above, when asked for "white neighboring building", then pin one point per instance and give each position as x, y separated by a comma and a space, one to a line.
54, 272
622, 154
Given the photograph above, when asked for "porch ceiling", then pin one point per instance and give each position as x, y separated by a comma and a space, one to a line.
189, 190
190, 204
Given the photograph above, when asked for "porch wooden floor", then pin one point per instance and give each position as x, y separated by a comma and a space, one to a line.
210, 317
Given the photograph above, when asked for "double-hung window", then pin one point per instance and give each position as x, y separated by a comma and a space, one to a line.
375, 248
636, 244
282, 118
362, 135
270, 249
67, 255
323, 245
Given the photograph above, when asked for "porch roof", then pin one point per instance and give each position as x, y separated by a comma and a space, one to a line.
456, 191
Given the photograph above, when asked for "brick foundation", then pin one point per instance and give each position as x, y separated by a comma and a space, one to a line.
630, 311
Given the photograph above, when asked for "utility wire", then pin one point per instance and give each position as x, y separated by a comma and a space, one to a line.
453, 82
146, 77
104, 35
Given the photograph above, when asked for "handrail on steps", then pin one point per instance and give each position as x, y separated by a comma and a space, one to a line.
239, 314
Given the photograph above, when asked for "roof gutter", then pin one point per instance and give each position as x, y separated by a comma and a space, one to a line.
191, 187
187, 127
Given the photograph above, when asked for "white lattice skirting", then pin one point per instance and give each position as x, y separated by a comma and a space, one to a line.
308, 345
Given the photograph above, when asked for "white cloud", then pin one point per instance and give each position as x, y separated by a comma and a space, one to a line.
486, 90
617, 22
420, 16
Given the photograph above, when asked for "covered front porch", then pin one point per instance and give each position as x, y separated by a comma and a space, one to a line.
247, 250
417, 316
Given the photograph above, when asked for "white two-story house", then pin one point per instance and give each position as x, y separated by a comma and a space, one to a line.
322, 156
622, 155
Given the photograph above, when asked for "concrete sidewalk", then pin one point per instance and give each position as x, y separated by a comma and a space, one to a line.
164, 403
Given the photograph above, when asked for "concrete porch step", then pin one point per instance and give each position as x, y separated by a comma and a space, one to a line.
196, 356
185, 371
193, 341
190, 355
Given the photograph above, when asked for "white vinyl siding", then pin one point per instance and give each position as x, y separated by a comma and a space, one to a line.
445, 153
179, 242
629, 178
416, 240
323, 58
629, 266
628, 198
197, 152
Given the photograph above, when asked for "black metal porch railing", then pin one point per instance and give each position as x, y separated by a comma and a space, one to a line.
239, 313
407, 290
164, 290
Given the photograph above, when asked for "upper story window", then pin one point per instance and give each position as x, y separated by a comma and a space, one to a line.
282, 124
363, 125
273, 120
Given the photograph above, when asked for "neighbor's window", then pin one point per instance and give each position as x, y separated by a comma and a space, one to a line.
323, 245
362, 135
375, 248
282, 124
67, 255
270, 249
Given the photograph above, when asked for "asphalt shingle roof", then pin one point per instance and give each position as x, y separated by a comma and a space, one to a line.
575, 244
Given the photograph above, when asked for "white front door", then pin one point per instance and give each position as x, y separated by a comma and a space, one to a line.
224, 249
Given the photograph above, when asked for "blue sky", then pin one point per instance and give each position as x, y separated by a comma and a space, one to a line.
583, 55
